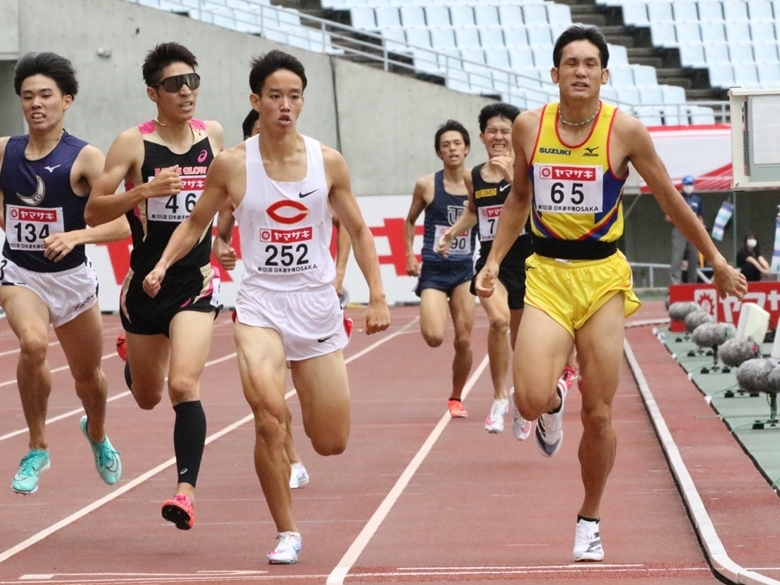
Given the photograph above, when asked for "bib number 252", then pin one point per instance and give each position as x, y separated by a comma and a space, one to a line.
286, 255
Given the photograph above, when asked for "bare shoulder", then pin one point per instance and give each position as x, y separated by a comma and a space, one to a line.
331, 155
231, 159
425, 182
212, 126
3, 143
627, 126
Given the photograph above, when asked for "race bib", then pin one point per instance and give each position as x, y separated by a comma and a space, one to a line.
27, 227
176, 208
568, 188
460, 245
488, 221
285, 252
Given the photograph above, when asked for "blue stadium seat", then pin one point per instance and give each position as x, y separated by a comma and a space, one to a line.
769, 74
485, 15
660, 12
685, 11
765, 52
644, 76
498, 58
759, 10
651, 95
687, 32
467, 37
462, 15
539, 35
534, 14
712, 32
394, 40
735, 11
521, 58
436, 16
692, 55
618, 55
673, 94
558, 14
746, 75
663, 34
387, 17
621, 77
741, 53
412, 16
738, 32
762, 31
710, 11
443, 38
635, 13
418, 37
491, 37
721, 76
716, 54
515, 36
362, 17
649, 115
512, 15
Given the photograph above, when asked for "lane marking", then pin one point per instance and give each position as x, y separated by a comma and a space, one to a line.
713, 547
7, 554
339, 573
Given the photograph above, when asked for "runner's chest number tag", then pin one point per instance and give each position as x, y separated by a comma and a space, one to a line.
460, 245
177, 207
488, 221
26, 227
285, 251
568, 188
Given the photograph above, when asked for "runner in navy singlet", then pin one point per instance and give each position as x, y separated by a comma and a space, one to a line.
444, 280
280, 184
163, 164
46, 277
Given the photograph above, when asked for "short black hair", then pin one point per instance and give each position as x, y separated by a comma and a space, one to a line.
452, 126
269, 64
578, 32
249, 122
163, 55
501, 109
51, 65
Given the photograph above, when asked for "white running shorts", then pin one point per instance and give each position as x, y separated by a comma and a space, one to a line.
67, 294
310, 322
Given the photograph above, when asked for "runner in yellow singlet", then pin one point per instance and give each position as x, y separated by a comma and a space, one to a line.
571, 161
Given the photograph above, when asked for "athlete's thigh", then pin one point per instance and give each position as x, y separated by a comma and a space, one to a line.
542, 348
600, 352
323, 389
433, 312
190, 335
261, 364
82, 341
462, 309
25, 312
148, 356
497, 305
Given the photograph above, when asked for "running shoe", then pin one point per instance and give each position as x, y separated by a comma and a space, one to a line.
549, 427
298, 475
179, 510
520, 427
30, 467
288, 544
570, 375
121, 347
456, 409
494, 423
107, 461
587, 541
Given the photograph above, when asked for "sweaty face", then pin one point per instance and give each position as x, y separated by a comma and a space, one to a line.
580, 73
43, 104
178, 106
497, 136
452, 148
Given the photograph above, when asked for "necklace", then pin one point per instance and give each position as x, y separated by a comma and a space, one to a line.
157, 120
583, 123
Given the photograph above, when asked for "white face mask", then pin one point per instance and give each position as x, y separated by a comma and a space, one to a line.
687, 189
751, 243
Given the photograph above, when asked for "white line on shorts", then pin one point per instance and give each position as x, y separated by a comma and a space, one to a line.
339, 573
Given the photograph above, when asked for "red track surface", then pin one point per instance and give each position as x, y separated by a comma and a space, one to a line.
455, 503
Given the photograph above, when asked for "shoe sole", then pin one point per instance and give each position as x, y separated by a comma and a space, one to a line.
589, 557
178, 516
459, 415
494, 430
299, 484
276, 562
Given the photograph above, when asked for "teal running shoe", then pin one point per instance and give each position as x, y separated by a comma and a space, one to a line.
106, 457
30, 467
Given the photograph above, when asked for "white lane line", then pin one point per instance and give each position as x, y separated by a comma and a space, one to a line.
5, 555
339, 573
721, 562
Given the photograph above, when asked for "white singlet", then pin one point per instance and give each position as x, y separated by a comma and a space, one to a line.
285, 227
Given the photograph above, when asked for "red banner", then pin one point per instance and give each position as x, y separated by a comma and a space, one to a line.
765, 294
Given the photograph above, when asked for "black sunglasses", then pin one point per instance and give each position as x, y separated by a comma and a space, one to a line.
174, 83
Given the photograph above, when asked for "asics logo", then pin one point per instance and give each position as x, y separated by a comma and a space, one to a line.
183, 471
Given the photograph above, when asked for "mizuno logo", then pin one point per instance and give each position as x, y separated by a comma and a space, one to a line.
591, 151
560, 151
302, 195
50, 169
37, 197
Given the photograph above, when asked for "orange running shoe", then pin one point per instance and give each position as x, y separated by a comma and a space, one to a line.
456, 409
121, 347
179, 510
570, 375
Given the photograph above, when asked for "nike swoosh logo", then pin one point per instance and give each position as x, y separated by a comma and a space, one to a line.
324, 339
50, 169
302, 195
504, 188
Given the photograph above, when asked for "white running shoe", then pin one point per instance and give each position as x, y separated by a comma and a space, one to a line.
288, 544
549, 427
298, 475
520, 427
587, 541
494, 423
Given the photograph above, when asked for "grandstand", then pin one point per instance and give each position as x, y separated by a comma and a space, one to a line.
502, 48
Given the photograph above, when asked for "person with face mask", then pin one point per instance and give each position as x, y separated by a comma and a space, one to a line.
681, 247
750, 261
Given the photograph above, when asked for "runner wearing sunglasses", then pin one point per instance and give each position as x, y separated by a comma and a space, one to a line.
163, 164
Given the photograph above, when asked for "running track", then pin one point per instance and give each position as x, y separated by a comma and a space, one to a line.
417, 497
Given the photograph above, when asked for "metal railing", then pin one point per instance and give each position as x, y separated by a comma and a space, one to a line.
320, 35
